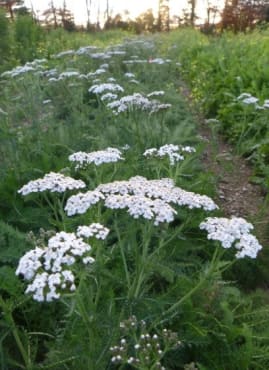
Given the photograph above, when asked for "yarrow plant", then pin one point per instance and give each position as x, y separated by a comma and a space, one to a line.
173, 152
53, 182
234, 231
136, 102
49, 268
109, 155
108, 87
147, 198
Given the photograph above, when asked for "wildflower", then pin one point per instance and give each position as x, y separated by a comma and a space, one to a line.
100, 56
157, 107
47, 101
229, 231
213, 121
247, 98
251, 100
54, 182
97, 72
131, 102
174, 152
99, 89
129, 75
18, 71
81, 202
155, 93
99, 157
133, 81
147, 198
104, 66
135, 61
116, 52
49, 268
68, 74
64, 53
109, 96
97, 230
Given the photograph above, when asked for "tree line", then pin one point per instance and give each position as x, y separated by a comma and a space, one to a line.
23, 32
235, 15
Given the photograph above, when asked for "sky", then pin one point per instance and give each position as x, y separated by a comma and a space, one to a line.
135, 7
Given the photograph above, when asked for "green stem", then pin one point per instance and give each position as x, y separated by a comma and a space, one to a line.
141, 262
53, 208
197, 287
127, 274
15, 333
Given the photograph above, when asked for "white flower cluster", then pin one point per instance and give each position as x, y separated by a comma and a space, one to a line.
159, 61
99, 89
98, 72
135, 61
174, 152
53, 182
100, 56
48, 269
155, 93
136, 101
247, 98
139, 205
129, 75
64, 53
97, 230
116, 52
159, 107
68, 74
81, 202
34, 66
85, 50
109, 96
147, 198
228, 231
108, 155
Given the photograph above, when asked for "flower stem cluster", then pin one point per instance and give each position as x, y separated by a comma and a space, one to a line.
141, 349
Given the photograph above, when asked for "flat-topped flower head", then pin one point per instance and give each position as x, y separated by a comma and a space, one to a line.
173, 152
247, 98
81, 202
156, 93
234, 231
149, 199
136, 102
109, 96
94, 230
105, 87
53, 182
109, 155
48, 268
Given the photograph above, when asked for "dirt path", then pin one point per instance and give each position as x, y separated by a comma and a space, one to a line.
235, 193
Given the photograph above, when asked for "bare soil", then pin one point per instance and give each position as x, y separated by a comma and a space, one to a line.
236, 195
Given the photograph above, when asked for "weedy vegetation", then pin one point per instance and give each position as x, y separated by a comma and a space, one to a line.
113, 252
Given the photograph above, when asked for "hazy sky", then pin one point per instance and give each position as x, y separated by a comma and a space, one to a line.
135, 7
